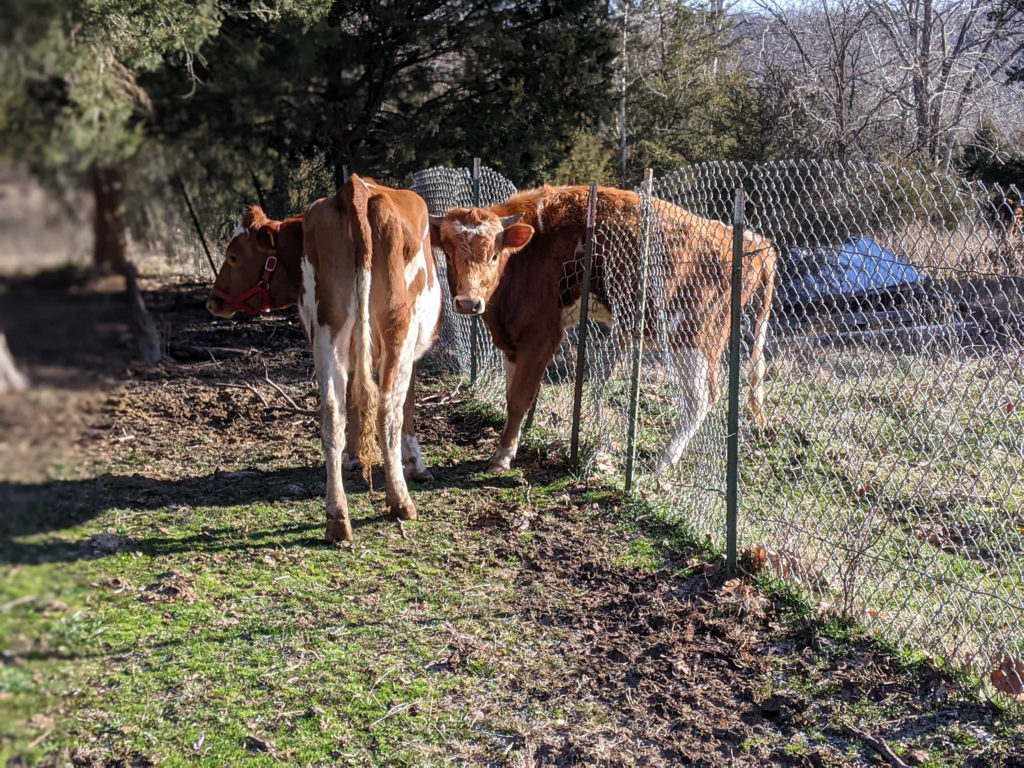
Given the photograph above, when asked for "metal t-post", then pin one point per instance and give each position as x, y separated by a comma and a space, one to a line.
647, 214
196, 224
474, 326
733, 428
581, 345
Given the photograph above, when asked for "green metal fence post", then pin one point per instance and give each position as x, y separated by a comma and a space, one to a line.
647, 214
581, 341
733, 428
474, 327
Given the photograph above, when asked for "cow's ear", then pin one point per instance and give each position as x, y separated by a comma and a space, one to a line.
266, 237
516, 236
254, 217
435, 231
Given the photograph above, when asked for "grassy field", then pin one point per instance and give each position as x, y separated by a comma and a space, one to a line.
166, 598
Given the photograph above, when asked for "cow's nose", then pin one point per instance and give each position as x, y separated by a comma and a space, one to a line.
466, 305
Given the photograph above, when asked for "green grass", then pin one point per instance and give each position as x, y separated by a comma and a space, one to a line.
328, 654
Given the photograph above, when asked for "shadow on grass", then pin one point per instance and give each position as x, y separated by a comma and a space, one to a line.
32, 509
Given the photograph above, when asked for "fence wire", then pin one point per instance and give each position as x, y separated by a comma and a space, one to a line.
885, 477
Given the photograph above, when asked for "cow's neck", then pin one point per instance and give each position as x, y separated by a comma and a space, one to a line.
289, 256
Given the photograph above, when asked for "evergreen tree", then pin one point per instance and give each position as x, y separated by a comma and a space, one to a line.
686, 101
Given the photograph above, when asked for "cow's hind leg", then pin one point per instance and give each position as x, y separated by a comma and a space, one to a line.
412, 458
351, 433
695, 384
395, 375
332, 375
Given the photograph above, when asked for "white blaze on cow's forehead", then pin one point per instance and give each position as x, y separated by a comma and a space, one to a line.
239, 230
462, 229
540, 221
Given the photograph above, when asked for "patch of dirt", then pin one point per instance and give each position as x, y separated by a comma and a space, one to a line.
170, 587
696, 669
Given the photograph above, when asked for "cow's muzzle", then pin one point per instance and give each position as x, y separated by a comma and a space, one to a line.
218, 308
465, 305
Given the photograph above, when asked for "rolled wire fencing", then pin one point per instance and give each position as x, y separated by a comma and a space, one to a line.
886, 476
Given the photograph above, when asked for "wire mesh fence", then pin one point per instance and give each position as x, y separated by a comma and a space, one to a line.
881, 450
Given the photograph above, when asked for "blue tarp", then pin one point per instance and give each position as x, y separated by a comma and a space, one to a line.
858, 269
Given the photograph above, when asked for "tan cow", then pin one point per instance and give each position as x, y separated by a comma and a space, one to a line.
517, 264
360, 267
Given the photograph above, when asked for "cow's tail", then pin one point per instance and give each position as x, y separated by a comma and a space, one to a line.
765, 258
364, 390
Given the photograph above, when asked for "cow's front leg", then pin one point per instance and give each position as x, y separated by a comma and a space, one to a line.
395, 374
522, 382
332, 376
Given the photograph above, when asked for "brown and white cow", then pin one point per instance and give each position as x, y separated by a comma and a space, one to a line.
517, 264
359, 266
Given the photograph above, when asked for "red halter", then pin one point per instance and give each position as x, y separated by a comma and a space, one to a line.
261, 289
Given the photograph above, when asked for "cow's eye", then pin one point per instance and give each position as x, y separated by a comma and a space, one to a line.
232, 259
494, 256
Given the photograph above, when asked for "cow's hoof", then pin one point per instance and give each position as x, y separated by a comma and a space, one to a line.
351, 465
419, 477
404, 511
339, 529
500, 464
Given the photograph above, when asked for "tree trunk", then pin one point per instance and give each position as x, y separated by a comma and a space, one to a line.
110, 248
110, 254
10, 376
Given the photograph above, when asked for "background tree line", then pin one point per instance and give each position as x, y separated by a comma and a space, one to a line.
284, 95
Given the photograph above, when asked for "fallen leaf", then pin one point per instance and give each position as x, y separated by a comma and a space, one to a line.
1009, 677
731, 586
256, 744
756, 557
917, 757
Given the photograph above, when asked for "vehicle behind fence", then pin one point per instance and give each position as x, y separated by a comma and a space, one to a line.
888, 479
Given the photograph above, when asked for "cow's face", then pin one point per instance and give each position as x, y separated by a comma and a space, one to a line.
252, 244
477, 244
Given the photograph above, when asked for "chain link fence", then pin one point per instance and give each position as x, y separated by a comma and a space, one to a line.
885, 475
888, 481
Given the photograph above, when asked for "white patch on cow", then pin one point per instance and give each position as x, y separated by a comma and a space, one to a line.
412, 458
694, 402
392, 411
502, 458
596, 312
540, 221
308, 308
427, 308
462, 229
415, 266
239, 230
